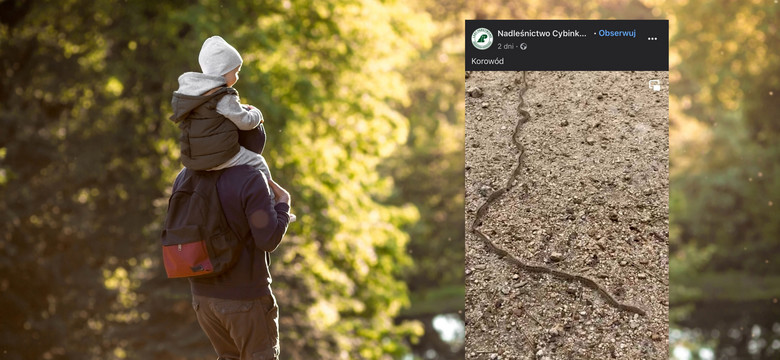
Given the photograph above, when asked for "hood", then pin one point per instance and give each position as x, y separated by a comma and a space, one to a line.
195, 83
189, 95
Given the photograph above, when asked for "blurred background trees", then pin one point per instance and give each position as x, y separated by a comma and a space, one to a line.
360, 132
725, 179
428, 170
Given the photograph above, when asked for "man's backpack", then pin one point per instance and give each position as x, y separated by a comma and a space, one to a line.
196, 238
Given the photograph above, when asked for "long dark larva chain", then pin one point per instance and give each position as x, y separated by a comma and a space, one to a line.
524, 117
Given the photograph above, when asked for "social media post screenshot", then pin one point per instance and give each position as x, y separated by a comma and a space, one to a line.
567, 187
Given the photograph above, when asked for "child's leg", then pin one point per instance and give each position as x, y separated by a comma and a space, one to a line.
258, 162
262, 166
255, 160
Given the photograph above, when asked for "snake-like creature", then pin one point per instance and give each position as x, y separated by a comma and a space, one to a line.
482, 210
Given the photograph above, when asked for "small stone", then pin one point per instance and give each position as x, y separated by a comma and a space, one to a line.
576, 200
557, 330
612, 350
613, 216
648, 192
475, 92
600, 96
641, 276
515, 277
623, 263
590, 140
493, 356
481, 267
485, 190
468, 271
485, 105
505, 291
656, 337
564, 123
556, 256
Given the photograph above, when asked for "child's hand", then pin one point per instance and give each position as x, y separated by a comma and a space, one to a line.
250, 108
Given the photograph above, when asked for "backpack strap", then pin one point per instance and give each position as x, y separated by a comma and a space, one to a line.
207, 179
204, 179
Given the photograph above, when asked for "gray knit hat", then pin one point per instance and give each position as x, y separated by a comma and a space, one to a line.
217, 57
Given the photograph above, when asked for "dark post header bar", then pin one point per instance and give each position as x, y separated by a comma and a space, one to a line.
596, 45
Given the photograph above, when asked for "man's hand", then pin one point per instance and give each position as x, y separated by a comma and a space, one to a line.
281, 194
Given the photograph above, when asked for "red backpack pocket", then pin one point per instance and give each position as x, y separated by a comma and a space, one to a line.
182, 256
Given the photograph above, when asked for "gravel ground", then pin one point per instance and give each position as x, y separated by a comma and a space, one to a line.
592, 199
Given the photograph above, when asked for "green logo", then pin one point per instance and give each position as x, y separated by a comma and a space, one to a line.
482, 38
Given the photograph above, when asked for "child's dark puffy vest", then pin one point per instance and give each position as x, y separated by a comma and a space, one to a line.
207, 138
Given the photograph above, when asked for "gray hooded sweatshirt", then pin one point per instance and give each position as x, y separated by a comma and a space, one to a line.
200, 151
196, 84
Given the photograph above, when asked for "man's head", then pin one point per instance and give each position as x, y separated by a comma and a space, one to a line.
253, 140
217, 57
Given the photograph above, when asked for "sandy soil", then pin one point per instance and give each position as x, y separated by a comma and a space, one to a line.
592, 199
